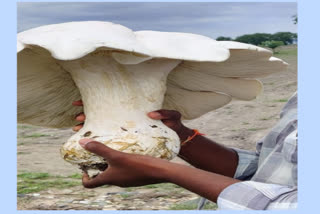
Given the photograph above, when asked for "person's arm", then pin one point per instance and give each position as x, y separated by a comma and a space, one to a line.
208, 155
126, 170
201, 152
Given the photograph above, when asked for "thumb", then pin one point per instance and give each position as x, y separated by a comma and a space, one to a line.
97, 148
163, 114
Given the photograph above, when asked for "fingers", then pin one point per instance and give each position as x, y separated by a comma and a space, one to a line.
165, 115
88, 182
77, 127
81, 117
77, 103
98, 148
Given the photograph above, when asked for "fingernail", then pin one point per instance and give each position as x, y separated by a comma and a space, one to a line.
155, 114
83, 142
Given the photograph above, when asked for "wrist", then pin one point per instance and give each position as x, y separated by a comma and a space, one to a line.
184, 133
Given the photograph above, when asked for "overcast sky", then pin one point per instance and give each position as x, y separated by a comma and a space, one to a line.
210, 19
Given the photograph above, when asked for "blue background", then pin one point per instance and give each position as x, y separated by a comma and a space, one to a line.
308, 87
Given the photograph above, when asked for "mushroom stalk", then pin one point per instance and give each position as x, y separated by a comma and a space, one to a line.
116, 100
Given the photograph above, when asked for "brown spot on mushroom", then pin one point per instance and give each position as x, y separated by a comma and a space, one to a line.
124, 129
154, 126
87, 134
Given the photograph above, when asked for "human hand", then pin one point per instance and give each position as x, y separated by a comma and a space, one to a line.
79, 117
172, 119
124, 170
129, 170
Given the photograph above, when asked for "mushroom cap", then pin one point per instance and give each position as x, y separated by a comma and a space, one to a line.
210, 74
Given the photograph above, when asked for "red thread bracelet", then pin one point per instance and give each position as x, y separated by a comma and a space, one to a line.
196, 133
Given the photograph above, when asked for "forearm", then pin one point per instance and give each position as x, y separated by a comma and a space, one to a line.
203, 183
208, 155
126, 170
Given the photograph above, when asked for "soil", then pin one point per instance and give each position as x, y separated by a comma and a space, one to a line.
239, 124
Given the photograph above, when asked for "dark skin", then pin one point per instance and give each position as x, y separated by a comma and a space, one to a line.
215, 164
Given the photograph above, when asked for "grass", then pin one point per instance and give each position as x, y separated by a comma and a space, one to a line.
266, 118
24, 127
162, 186
286, 52
76, 176
280, 101
192, 205
33, 175
125, 195
36, 135
130, 189
255, 129
31, 182
23, 153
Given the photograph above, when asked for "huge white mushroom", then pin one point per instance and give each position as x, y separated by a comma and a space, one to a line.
121, 75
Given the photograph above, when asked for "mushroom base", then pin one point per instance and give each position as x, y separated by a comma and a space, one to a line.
154, 139
116, 100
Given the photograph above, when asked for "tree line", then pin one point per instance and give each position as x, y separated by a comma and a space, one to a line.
264, 39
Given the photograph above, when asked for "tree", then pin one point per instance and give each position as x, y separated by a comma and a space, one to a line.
272, 44
255, 39
286, 37
223, 38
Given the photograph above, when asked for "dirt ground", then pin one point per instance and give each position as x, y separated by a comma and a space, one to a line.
239, 124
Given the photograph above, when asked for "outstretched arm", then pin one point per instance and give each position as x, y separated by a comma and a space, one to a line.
136, 170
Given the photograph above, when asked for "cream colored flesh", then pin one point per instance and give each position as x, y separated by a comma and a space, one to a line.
116, 101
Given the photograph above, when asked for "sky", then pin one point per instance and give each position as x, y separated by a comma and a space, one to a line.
210, 19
